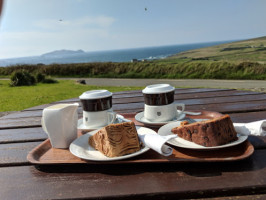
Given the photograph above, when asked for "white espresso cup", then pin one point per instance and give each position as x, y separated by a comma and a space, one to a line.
159, 103
97, 108
60, 123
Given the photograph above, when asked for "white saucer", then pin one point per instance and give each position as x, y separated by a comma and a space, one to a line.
180, 142
140, 118
119, 119
81, 148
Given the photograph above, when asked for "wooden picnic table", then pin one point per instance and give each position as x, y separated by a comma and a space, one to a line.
227, 179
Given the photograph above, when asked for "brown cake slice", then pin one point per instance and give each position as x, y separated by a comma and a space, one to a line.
208, 133
116, 139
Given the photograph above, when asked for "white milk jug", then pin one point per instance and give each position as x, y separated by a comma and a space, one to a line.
60, 123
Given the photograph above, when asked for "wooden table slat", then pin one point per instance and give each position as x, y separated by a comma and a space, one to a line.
192, 96
22, 135
16, 134
132, 99
234, 107
15, 153
131, 181
138, 93
236, 97
226, 108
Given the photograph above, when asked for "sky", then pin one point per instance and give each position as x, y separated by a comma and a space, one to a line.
35, 27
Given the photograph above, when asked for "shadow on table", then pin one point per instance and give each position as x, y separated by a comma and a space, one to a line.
198, 169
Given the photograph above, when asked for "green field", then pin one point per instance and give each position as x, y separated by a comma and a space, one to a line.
252, 50
19, 98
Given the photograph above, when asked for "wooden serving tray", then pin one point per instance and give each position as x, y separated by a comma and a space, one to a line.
44, 154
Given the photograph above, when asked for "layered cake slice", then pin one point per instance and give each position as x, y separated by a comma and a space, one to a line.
214, 132
116, 139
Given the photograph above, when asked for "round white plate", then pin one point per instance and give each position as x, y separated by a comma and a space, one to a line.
140, 118
81, 148
180, 142
119, 119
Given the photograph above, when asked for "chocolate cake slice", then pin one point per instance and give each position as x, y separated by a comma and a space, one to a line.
214, 132
116, 139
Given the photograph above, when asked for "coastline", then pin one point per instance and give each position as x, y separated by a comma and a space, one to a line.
116, 55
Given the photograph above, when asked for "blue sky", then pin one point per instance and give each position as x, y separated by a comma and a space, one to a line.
34, 27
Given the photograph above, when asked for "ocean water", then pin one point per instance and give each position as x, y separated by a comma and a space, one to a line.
123, 55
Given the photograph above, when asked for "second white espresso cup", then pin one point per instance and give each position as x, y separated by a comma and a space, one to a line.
98, 119
159, 103
163, 113
97, 108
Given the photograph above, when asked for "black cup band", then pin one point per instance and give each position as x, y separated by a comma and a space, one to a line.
94, 105
159, 99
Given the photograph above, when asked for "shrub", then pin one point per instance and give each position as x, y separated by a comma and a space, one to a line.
40, 77
20, 78
155, 69
49, 80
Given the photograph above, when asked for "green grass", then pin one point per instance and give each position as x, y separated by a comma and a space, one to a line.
19, 98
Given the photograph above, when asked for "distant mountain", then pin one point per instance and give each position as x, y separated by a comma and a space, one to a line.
58, 56
62, 53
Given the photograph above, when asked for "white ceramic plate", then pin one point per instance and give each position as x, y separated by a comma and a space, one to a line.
81, 148
180, 142
119, 119
140, 118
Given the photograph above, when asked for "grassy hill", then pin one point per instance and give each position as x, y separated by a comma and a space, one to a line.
252, 50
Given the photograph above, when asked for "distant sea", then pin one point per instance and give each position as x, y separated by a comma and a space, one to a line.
123, 55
